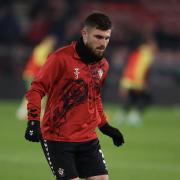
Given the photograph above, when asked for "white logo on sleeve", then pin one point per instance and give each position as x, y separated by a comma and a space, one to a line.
31, 132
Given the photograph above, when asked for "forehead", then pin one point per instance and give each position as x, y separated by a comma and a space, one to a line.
104, 33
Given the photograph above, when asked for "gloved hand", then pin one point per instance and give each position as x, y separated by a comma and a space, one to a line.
114, 133
33, 131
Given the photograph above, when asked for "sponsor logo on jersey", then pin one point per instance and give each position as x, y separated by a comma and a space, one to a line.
76, 73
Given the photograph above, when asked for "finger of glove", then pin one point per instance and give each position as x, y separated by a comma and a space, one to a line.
117, 142
32, 139
35, 140
122, 139
119, 137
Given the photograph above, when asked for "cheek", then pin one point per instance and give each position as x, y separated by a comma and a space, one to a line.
92, 43
107, 43
96, 43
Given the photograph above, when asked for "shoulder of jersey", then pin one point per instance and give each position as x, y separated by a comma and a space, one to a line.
64, 50
105, 61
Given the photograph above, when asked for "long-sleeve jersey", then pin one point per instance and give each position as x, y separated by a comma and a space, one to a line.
74, 107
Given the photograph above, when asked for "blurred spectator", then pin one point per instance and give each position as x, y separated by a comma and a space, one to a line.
48, 17
10, 35
39, 21
10, 29
166, 38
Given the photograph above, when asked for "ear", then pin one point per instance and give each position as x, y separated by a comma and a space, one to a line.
84, 34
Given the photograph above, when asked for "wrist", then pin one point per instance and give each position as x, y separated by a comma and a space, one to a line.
106, 129
33, 122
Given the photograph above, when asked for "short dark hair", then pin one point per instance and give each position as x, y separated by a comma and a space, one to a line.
98, 20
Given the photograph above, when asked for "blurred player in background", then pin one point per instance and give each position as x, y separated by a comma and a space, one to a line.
34, 63
134, 83
72, 78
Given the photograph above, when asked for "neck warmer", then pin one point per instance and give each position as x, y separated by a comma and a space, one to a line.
85, 53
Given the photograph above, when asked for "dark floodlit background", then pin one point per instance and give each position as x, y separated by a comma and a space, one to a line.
152, 150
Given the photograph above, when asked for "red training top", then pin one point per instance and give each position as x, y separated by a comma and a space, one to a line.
74, 107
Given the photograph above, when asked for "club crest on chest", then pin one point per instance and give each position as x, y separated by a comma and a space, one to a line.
100, 72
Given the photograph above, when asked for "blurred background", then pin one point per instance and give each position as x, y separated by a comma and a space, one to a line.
152, 148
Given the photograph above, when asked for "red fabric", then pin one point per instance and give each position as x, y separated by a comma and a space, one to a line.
74, 108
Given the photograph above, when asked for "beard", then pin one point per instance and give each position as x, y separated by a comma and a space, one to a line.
97, 52
88, 53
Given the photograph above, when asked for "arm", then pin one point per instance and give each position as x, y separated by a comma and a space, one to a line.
108, 130
105, 128
114, 133
41, 85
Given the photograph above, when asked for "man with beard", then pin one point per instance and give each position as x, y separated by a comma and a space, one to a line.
72, 78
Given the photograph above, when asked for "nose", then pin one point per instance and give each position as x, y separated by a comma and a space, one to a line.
103, 42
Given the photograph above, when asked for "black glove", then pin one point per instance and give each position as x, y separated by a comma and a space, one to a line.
33, 131
114, 133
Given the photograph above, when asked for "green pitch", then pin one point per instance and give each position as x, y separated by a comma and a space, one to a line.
151, 152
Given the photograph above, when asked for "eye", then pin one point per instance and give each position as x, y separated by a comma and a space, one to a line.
99, 36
